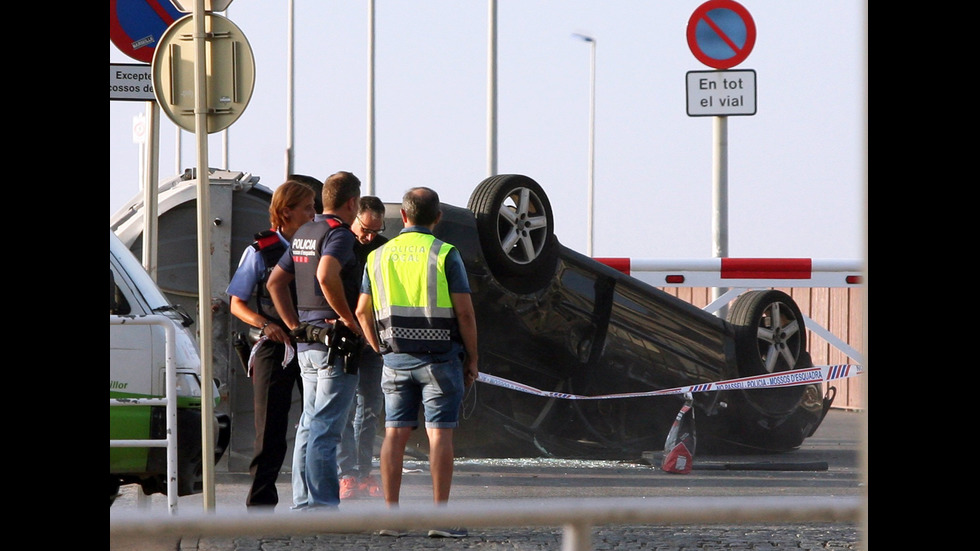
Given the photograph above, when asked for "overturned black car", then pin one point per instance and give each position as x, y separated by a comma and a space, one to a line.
549, 318
553, 319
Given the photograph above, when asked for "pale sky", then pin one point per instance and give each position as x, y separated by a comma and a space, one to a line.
796, 169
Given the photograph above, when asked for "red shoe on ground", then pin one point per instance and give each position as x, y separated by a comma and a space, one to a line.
348, 487
368, 486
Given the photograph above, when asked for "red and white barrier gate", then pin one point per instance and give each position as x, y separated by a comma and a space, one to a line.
743, 273
738, 275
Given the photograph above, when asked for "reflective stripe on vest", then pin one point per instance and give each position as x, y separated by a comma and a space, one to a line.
410, 294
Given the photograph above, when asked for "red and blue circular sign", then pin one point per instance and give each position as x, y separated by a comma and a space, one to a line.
721, 33
135, 26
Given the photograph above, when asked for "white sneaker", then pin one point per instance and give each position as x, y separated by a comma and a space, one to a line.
448, 533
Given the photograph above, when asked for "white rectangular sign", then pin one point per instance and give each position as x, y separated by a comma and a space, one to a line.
131, 82
720, 93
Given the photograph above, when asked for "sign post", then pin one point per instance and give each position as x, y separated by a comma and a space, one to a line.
203, 76
721, 34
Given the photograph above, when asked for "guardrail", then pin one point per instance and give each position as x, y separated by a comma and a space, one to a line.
170, 401
575, 516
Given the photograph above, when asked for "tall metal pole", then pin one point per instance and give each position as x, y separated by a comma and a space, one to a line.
370, 101
225, 137
204, 251
592, 152
492, 88
289, 92
719, 219
591, 201
225, 148
178, 162
151, 201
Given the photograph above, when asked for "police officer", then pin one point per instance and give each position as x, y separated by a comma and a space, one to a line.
415, 303
321, 260
356, 450
292, 206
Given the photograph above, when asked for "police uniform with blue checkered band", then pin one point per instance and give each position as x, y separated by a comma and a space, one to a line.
413, 307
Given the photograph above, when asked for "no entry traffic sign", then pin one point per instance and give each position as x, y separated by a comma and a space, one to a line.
135, 26
721, 33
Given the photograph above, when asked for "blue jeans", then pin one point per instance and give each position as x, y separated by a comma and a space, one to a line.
333, 392
301, 494
356, 450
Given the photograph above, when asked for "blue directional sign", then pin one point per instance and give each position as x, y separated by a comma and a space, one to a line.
135, 26
721, 33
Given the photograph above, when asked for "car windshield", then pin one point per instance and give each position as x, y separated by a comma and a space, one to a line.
144, 284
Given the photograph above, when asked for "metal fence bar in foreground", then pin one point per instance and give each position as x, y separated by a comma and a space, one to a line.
170, 400
576, 516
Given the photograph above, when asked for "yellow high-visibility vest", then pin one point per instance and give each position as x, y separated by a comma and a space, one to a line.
410, 292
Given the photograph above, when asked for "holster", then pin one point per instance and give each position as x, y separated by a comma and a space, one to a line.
347, 345
243, 347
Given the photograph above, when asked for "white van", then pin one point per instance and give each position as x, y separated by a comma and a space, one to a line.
137, 361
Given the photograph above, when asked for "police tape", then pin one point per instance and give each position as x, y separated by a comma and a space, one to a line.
796, 377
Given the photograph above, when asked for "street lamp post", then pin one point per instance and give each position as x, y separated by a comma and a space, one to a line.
592, 41
290, 94
492, 88
370, 102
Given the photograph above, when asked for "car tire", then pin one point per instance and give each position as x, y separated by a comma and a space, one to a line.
516, 227
770, 335
762, 350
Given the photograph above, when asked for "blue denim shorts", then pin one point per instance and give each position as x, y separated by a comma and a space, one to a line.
438, 387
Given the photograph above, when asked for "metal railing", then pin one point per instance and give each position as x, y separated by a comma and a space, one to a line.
575, 516
170, 401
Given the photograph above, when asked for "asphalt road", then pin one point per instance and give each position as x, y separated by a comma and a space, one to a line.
826, 466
